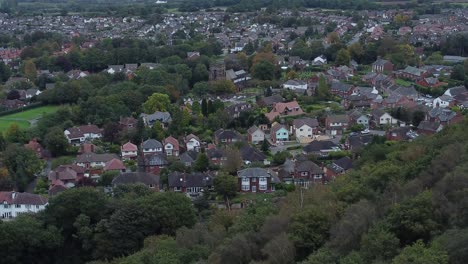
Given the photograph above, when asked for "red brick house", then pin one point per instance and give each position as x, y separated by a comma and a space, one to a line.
254, 180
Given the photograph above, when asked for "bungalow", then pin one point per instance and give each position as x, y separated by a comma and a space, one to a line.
295, 85
151, 146
284, 109
412, 73
250, 154
171, 146
164, 118
304, 128
336, 124
429, 127
192, 142
320, 148
129, 151
81, 134
15, 203
270, 101
254, 180
149, 179
279, 133
430, 82
193, 184
255, 135
338, 167
227, 136
66, 175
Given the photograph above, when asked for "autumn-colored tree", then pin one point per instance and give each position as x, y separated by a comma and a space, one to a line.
30, 70
157, 102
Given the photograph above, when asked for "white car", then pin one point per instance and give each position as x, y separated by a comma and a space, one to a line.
365, 131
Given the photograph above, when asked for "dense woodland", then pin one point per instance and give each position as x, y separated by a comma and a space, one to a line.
404, 203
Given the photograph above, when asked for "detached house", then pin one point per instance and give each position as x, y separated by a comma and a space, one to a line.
343, 90
227, 136
254, 180
296, 85
284, 109
148, 179
171, 146
279, 133
152, 163
81, 134
358, 118
338, 167
255, 135
336, 124
306, 173
92, 160
164, 118
304, 128
192, 143
129, 151
15, 203
193, 184
66, 175
151, 146
380, 117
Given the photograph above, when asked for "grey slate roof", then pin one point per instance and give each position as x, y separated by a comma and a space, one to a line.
136, 177
152, 144
253, 173
194, 179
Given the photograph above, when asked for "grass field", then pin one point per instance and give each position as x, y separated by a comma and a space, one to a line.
23, 119
403, 82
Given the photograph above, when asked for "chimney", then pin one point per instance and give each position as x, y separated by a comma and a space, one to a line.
13, 195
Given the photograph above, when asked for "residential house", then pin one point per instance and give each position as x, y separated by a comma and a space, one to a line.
217, 156
235, 110
115, 165
66, 175
193, 184
151, 146
129, 151
81, 134
37, 148
152, 163
429, 127
270, 101
223, 136
320, 148
94, 160
381, 66
171, 146
149, 179
355, 143
443, 101
338, 167
239, 78
412, 73
279, 133
193, 55
296, 85
192, 142
343, 90
336, 124
188, 157
454, 91
254, 180
304, 129
319, 61
255, 135
250, 154
164, 118
113, 69
87, 148
306, 173
16, 203
430, 82
358, 118
127, 123
382, 118
444, 116
284, 109
401, 134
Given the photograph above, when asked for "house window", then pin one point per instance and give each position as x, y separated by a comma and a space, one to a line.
254, 179
6, 206
37, 206
263, 184
28, 206
245, 187
304, 173
151, 185
318, 177
17, 205
300, 129
284, 134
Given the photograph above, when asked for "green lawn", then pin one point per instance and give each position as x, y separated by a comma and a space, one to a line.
23, 118
403, 82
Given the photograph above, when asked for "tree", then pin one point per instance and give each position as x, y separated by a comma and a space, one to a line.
111, 132
233, 160
280, 157
279, 250
309, 230
13, 95
13, 133
5, 72
342, 57
200, 73
264, 70
265, 146
222, 87
56, 142
323, 90
418, 253
22, 164
356, 51
157, 102
201, 163
225, 185
204, 107
458, 72
465, 66
30, 70
379, 244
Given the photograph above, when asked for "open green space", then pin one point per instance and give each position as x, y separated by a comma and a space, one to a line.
403, 82
23, 119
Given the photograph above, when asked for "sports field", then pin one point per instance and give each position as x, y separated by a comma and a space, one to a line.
26, 118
